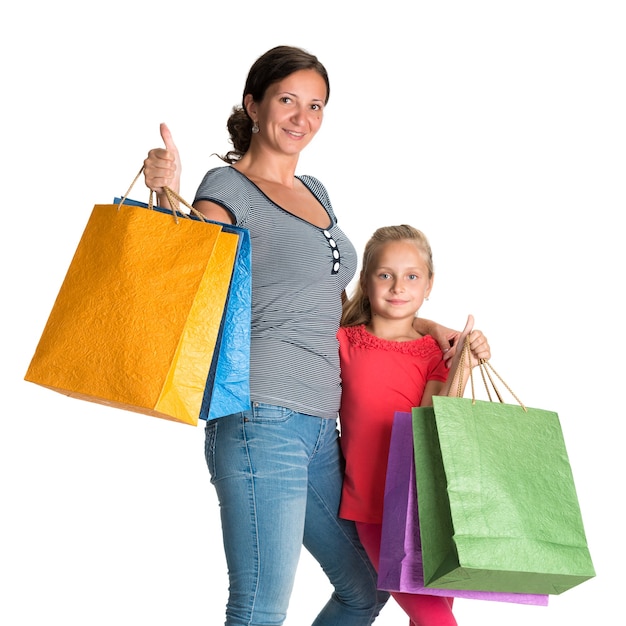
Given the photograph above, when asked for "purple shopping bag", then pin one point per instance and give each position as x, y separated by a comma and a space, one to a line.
400, 565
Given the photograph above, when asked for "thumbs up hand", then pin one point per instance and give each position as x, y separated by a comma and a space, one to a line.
162, 167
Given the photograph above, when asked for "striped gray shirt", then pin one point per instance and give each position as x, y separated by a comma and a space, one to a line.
297, 281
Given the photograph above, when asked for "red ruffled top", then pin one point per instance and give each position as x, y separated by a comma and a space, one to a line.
379, 377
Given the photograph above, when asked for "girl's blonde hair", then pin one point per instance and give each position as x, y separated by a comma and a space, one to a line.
357, 309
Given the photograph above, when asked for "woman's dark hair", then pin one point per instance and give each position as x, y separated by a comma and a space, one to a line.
274, 65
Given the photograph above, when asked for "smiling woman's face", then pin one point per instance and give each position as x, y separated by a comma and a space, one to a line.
291, 111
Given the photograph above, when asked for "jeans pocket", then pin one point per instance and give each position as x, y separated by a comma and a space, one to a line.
268, 414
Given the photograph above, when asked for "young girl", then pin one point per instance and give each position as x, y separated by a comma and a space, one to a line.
387, 366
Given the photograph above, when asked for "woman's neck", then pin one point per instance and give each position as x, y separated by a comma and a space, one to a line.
264, 166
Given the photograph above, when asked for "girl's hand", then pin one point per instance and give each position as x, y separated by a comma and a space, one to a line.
459, 373
479, 346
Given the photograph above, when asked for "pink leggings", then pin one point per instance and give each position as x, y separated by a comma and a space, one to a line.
424, 610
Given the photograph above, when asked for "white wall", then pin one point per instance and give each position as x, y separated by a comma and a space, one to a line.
498, 128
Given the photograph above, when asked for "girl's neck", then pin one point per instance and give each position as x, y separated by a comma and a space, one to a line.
392, 330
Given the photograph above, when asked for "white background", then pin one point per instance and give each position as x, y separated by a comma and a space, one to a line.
498, 128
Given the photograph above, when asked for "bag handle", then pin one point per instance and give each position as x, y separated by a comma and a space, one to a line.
173, 198
486, 369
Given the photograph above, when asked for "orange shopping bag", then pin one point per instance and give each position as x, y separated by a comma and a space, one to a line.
137, 320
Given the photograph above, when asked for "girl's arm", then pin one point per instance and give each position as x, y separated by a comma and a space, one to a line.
479, 349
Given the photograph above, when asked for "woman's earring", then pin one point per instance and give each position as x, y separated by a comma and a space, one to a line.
255, 128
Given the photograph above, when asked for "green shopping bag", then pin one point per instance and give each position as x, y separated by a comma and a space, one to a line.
498, 509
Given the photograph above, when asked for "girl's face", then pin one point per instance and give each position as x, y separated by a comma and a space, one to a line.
291, 111
398, 281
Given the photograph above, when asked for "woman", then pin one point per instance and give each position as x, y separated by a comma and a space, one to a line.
277, 467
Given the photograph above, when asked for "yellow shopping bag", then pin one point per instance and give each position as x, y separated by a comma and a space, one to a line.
137, 319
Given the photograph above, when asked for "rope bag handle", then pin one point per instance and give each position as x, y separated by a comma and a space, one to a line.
174, 199
486, 371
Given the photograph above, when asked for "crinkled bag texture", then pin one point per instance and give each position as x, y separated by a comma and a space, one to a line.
400, 566
138, 320
498, 509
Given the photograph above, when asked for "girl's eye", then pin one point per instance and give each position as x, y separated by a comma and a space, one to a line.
384, 276
413, 276
316, 107
285, 99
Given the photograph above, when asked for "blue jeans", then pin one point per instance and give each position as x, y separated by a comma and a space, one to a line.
278, 477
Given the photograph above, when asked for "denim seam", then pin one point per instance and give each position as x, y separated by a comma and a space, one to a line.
256, 528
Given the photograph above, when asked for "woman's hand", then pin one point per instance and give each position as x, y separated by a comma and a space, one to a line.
446, 338
162, 167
